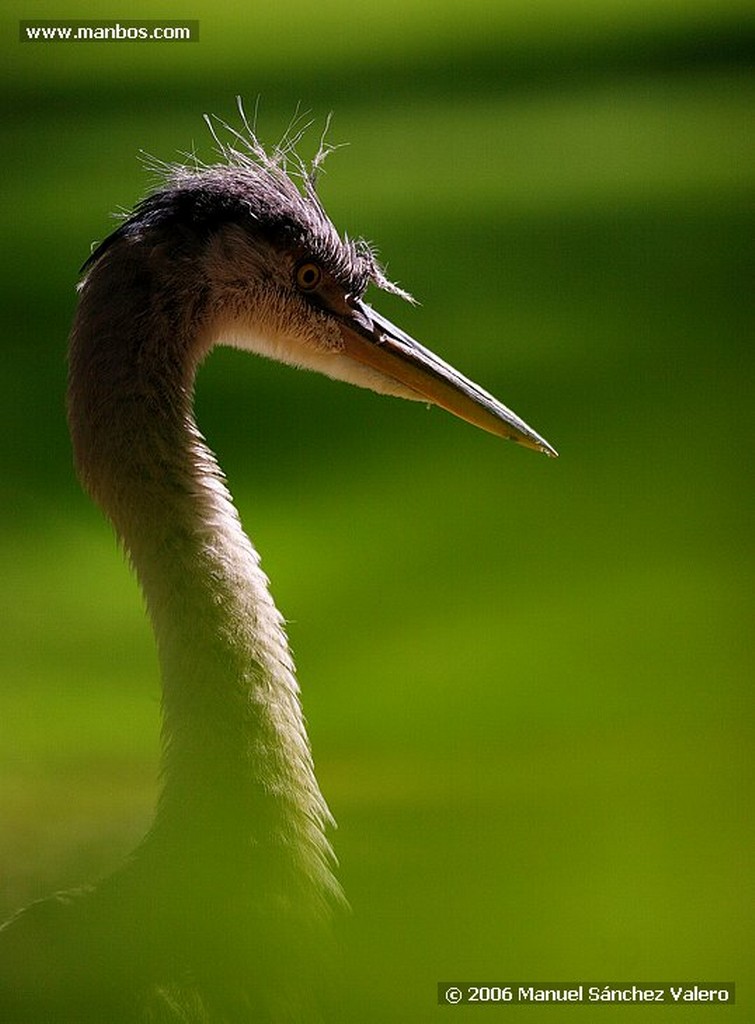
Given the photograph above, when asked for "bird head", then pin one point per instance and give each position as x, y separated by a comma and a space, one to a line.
270, 273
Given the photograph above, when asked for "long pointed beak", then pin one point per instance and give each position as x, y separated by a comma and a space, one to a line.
374, 341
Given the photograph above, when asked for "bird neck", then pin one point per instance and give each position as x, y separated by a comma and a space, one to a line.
233, 735
239, 788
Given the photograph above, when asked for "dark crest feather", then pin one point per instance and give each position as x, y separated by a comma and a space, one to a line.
274, 193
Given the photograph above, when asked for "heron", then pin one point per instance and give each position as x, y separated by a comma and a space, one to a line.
223, 912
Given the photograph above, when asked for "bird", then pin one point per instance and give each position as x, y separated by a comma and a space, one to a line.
224, 911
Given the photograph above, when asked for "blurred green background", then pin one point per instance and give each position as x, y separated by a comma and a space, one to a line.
528, 683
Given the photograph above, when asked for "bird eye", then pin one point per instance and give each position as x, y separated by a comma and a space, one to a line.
308, 276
